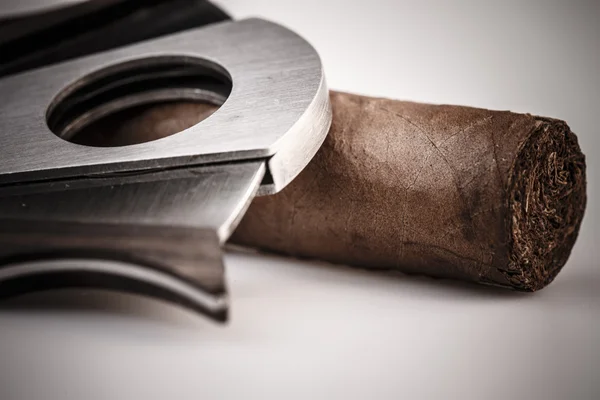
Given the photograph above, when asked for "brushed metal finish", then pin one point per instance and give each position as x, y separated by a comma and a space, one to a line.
161, 209
278, 108
176, 290
164, 229
202, 197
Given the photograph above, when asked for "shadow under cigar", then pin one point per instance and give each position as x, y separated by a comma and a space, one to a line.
571, 292
422, 286
255, 275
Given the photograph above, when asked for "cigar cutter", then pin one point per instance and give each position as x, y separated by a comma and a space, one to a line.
151, 218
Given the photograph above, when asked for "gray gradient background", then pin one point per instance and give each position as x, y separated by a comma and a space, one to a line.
312, 330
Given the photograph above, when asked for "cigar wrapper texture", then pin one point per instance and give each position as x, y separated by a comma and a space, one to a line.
445, 191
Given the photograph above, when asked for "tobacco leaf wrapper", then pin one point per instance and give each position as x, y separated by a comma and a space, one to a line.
445, 191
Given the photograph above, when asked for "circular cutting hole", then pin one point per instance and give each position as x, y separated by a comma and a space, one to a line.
138, 101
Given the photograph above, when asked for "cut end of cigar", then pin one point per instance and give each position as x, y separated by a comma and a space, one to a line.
547, 197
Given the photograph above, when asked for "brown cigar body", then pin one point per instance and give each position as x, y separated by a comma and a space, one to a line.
444, 191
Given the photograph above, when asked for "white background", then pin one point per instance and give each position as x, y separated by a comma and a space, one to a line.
312, 330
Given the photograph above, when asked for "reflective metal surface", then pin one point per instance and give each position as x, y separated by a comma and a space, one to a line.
278, 107
164, 229
159, 210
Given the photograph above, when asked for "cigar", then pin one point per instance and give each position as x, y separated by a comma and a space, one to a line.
492, 197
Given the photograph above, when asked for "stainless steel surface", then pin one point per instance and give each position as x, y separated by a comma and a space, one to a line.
278, 108
20, 8
172, 223
207, 197
160, 209
211, 303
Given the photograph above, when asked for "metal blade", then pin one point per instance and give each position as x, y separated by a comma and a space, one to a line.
165, 229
